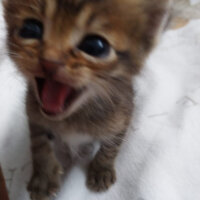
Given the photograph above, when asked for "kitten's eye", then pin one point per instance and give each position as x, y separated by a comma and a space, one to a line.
95, 46
31, 29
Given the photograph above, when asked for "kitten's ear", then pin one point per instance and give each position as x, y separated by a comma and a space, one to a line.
157, 17
5, 4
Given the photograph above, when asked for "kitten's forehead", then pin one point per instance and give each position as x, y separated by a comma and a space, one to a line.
133, 20
54, 6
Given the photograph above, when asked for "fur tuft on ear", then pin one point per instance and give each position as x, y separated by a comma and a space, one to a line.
4, 2
157, 17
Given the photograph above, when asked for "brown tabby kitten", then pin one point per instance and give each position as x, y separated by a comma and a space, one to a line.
79, 57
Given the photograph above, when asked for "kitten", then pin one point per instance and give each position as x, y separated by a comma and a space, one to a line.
79, 58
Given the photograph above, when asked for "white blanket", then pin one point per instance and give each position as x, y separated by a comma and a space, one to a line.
160, 157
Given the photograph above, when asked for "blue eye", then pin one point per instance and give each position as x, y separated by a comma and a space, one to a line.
31, 29
95, 45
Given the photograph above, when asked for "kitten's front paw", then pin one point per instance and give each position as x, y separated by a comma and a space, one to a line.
44, 186
100, 178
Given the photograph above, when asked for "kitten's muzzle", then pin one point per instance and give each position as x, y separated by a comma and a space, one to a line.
55, 97
55, 93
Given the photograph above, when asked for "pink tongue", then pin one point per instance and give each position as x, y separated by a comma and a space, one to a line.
53, 96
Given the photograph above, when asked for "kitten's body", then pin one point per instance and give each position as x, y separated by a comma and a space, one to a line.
102, 85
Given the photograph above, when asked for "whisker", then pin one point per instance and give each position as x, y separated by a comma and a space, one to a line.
14, 45
106, 91
14, 55
111, 140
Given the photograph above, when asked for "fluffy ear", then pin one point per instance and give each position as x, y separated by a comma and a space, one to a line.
4, 3
157, 13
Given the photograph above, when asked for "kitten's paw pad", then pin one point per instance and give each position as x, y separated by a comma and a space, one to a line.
38, 196
45, 185
42, 188
100, 179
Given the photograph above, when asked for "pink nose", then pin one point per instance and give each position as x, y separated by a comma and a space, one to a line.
50, 66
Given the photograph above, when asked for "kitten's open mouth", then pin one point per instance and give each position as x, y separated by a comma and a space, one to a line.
55, 97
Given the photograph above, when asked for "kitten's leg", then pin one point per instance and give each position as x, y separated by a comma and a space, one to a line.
46, 169
101, 171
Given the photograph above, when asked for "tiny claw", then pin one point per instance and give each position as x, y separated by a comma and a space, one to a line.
54, 194
60, 172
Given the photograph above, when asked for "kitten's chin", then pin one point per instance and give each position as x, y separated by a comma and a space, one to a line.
57, 100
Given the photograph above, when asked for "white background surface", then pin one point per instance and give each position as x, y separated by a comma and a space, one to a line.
160, 157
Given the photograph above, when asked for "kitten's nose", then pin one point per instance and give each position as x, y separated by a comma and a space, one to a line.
50, 66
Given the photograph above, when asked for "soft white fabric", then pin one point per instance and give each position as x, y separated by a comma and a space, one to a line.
193, 2
160, 157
